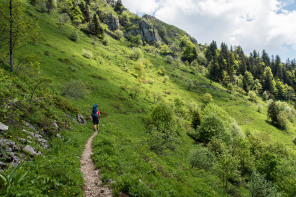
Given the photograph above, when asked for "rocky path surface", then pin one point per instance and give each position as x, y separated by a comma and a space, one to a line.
92, 183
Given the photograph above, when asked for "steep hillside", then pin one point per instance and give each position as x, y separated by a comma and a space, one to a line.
166, 128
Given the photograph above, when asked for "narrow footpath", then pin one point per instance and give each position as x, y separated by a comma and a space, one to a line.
92, 183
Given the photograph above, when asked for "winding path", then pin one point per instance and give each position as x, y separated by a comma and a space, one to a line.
92, 183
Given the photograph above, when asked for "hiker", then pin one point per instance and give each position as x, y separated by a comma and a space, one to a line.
95, 114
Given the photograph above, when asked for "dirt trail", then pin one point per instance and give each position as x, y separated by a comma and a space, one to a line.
92, 183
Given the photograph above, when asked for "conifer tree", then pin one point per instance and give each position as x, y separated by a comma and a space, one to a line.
195, 119
95, 28
118, 6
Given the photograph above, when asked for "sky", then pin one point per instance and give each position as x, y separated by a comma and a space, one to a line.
252, 24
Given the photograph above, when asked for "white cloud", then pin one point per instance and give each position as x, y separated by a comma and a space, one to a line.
253, 24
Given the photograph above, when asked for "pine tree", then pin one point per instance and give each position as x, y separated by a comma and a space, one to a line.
195, 119
118, 6
95, 28
273, 112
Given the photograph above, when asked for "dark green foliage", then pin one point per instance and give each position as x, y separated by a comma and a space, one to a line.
136, 40
95, 28
118, 6
162, 117
74, 36
202, 157
196, 119
268, 165
50, 5
277, 117
260, 187
189, 53
211, 127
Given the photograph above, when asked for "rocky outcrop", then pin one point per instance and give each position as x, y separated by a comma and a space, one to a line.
9, 145
149, 33
81, 119
112, 22
3, 127
40, 138
31, 151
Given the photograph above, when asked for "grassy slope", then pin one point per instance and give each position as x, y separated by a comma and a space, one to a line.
120, 148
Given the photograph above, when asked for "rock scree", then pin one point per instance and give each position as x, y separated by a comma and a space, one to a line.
92, 183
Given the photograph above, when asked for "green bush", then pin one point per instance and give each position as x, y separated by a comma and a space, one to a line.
87, 54
211, 127
74, 36
207, 98
202, 157
260, 187
136, 54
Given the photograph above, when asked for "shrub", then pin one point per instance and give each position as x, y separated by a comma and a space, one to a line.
196, 119
165, 79
75, 89
169, 59
260, 187
74, 36
87, 54
252, 96
277, 117
207, 98
118, 34
162, 129
211, 127
236, 131
202, 157
265, 95
136, 54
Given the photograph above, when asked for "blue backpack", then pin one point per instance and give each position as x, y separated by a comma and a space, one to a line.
95, 110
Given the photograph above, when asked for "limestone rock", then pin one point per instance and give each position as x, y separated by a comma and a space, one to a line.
81, 119
3, 127
31, 151
31, 127
3, 165
44, 143
149, 33
112, 22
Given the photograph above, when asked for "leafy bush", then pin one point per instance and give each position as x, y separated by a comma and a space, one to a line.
277, 117
75, 89
211, 127
260, 187
169, 59
74, 36
118, 34
252, 96
207, 98
136, 54
162, 129
202, 157
196, 119
87, 54
236, 131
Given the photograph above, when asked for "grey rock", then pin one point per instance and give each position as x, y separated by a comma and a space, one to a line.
15, 159
68, 116
112, 22
31, 151
33, 134
81, 119
9, 145
3, 165
55, 125
3, 127
31, 127
44, 143
59, 136
149, 33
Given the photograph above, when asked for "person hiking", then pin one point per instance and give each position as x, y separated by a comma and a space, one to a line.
95, 114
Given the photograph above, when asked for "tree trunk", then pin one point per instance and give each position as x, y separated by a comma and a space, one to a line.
10, 38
